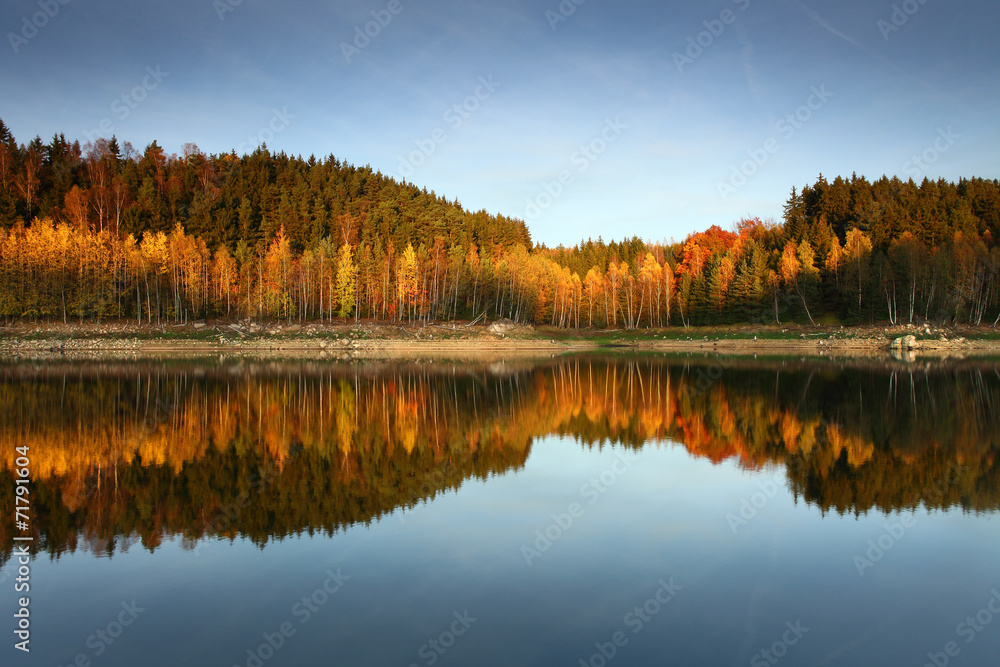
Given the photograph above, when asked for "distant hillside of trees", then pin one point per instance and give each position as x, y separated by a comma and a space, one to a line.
103, 231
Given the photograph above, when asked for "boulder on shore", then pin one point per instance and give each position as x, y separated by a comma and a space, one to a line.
906, 343
502, 326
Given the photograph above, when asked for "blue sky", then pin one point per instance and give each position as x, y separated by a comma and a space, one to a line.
586, 120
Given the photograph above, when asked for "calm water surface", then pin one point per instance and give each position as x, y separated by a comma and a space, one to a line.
583, 511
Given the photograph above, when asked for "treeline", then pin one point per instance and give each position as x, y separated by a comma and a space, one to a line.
157, 450
103, 231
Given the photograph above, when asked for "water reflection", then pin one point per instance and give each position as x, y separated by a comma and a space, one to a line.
139, 452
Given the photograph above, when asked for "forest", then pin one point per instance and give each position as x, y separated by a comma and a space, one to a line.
154, 450
103, 231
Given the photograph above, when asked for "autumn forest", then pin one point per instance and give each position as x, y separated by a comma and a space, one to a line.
105, 231
261, 450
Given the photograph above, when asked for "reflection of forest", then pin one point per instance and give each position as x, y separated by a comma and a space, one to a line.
125, 451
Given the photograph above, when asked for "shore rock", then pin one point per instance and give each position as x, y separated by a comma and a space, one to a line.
502, 326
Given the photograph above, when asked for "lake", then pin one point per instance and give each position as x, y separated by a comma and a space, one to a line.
586, 510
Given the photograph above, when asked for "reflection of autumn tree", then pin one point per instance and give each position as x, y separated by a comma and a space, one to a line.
156, 449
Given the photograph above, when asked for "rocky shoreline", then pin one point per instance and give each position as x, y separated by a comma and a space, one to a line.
499, 338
